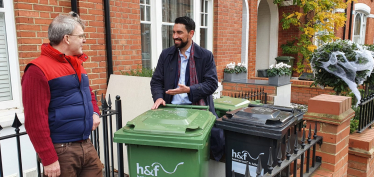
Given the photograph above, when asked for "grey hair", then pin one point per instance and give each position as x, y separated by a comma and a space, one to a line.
63, 25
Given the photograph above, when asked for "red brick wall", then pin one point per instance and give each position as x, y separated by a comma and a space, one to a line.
370, 31
227, 33
126, 39
289, 34
33, 17
252, 5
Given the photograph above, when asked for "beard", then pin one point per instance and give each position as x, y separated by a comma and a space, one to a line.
182, 44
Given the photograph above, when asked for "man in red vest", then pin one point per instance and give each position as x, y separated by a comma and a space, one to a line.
60, 108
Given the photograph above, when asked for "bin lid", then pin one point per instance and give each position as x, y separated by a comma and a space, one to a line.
259, 121
168, 127
226, 103
284, 58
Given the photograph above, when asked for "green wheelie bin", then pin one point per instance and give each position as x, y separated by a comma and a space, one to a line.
226, 103
171, 141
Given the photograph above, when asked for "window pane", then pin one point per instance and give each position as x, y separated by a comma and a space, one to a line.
146, 45
202, 5
206, 20
5, 85
147, 1
1, 4
206, 6
148, 8
141, 1
202, 20
358, 24
167, 36
171, 9
203, 37
141, 12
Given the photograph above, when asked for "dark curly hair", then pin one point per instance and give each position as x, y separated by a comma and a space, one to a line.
187, 21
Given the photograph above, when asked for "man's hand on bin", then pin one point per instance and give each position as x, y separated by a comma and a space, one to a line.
52, 170
181, 89
158, 102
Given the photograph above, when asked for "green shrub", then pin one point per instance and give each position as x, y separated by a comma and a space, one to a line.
143, 72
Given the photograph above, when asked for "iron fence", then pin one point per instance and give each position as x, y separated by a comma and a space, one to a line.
16, 124
107, 123
365, 112
253, 94
282, 165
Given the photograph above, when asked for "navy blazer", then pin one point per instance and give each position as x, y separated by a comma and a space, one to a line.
165, 78
166, 74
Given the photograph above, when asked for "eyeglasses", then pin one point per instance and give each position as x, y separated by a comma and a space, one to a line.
81, 36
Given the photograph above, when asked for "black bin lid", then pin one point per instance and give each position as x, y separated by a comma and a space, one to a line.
258, 121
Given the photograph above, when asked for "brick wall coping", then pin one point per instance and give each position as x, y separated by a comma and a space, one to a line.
330, 118
361, 153
362, 144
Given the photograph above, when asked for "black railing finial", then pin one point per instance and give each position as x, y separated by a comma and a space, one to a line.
1, 128
279, 155
315, 131
247, 173
296, 149
16, 123
310, 134
288, 148
118, 97
109, 102
270, 161
104, 105
259, 166
303, 140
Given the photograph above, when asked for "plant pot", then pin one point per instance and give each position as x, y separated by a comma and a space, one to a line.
279, 80
241, 77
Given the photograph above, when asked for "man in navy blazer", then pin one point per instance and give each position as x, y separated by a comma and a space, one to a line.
186, 74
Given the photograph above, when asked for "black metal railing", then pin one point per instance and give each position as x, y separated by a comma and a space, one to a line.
16, 124
282, 165
365, 112
106, 116
253, 94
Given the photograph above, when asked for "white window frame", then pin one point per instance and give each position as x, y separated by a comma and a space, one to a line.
8, 108
364, 10
156, 27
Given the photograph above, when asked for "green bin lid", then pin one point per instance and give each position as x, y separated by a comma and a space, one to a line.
283, 58
168, 127
225, 103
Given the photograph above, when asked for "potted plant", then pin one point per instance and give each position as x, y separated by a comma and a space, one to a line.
279, 74
235, 73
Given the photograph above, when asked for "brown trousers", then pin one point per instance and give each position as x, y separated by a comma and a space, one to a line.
78, 159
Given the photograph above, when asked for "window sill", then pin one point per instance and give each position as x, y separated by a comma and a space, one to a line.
7, 116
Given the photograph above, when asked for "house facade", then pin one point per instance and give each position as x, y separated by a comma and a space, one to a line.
235, 31
246, 31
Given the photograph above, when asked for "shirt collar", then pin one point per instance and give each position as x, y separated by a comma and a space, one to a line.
188, 51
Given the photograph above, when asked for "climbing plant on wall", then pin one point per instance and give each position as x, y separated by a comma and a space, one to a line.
317, 19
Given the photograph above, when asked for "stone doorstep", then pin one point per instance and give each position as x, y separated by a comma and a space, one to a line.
361, 144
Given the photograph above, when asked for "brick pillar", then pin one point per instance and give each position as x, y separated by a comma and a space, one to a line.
361, 154
332, 114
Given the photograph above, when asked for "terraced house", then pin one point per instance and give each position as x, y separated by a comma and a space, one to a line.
130, 34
